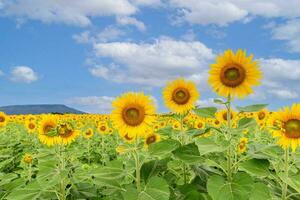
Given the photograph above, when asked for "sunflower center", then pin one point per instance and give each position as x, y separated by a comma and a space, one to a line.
151, 139
261, 115
200, 125
65, 131
133, 115
103, 128
47, 128
31, 126
225, 116
181, 96
2, 119
292, 128
233, 75
88, 133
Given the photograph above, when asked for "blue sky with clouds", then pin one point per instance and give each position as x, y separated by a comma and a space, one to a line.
86, 53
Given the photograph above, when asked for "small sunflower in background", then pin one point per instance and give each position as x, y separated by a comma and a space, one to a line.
242, 146
287, 122
221, 116
103, 128
31, 126
3, 119
47, 130
133, 114
88, 133
151, 138
180, 96
199, 124
234, 74
27, 158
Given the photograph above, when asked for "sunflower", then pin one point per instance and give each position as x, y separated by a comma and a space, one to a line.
176, 125
221, 116
103, 128
287, 122
180, 96
199, 124
3, 119
234, 74
27, 158
133, 114
67, 134
47, 130
88, 133
151, 138
261, 115
242, 146
31, 126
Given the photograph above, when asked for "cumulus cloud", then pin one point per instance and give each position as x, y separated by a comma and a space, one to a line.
280, 79
125, 20
97, 104
290, 32
77, 12
108, 34
228, 11
23, 74
152, 63
93, 104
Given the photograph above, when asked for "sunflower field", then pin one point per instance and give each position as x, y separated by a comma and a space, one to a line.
135, 153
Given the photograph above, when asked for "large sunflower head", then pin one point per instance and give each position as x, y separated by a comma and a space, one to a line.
67, 133
48, 130
234, 74
133, 114
288, 126
180, 96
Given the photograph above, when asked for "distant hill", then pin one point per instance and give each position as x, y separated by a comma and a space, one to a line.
38, 109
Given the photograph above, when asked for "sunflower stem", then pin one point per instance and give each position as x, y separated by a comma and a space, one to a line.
61, 169
137, 167
286, 174
229, 151
88, 149
183, 143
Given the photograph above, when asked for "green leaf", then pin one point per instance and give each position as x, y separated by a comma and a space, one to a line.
156, 189
256, 167
152, 168
251, 108
189, 154
31, 191
163, 148
239, 189
246, 123
219, 101
260, 192
294, 182
207, 112
207, 145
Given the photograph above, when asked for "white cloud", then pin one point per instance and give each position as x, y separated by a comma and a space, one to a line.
209, 103
284, 94
290, 32
109, 33
147, 2
152, 63
1, 73
280, 69
97, 104
228, 11
93, 104
77, 12
23, 74
125, 20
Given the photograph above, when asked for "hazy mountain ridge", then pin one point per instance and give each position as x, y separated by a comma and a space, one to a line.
38, 109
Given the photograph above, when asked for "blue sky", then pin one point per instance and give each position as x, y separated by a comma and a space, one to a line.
86, 53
